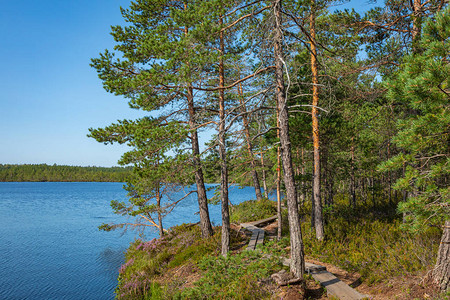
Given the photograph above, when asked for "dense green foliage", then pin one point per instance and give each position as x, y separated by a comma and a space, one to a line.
43, 172
233, 277
422, 84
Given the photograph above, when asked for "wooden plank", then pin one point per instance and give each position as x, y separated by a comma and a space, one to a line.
253, 240
260, 240
249, 226
312, 268
258, 234
336, 287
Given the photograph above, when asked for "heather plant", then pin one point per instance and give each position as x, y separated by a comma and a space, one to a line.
193, 248
146, 260
143, 261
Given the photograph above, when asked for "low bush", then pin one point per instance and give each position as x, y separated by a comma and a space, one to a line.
369, 241
146, 260
253, 210
233, 277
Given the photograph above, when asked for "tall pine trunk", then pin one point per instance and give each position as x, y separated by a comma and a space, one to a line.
222, 153
266, 192
416, 6
158, 205
318, 217
205, 223
297, 253
279, 215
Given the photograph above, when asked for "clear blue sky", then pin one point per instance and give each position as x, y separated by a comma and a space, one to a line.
49, 95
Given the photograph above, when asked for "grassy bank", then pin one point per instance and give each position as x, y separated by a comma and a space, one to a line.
183, 266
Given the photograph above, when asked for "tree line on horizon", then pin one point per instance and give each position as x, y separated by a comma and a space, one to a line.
62, 173
305, 99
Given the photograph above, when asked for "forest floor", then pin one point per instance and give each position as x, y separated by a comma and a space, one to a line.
406, 287
403, 287
365, 249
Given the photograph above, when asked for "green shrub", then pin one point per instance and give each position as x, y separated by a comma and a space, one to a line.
145, 260
233, 277
371, 243
253, 210
196, 251
276, 248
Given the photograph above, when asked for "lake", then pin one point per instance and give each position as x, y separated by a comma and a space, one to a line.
50, 247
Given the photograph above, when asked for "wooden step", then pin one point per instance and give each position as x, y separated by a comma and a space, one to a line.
334, 286
256, 239
258, 234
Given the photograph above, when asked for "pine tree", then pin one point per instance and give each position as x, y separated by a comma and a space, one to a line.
156, 177
296, 241
156, 70
423, 85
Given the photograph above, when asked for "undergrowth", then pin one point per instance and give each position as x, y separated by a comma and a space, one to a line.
234, 277
147, 260
369, 241
238, 276
366, 239
253, 210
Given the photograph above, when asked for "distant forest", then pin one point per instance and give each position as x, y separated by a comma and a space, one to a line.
43, 172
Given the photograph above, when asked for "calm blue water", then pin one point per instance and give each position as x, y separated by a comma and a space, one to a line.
50, 247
